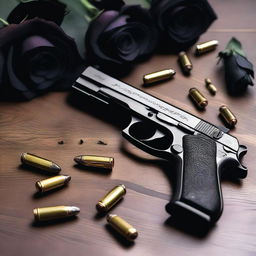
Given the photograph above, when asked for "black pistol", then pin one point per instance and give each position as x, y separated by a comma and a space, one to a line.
202, 151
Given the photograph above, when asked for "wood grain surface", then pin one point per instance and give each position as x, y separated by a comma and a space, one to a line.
38, 125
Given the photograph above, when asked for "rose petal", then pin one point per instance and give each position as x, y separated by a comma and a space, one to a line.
15, 81
33, 42
96, 27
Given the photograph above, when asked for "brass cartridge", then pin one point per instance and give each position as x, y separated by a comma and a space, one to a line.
185, 62
122, 227
228, 116
158, 76
95, 161
211, 87
206, 47
39, 162
111, 198
198, 98
55, 212
52, 183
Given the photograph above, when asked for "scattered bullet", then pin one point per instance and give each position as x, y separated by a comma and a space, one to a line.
39, 162
111, 198
206, 47
122, 227
185, 62
55, 212
228, 116
95, 161
52, 183
211, 87
198, 98
158, 76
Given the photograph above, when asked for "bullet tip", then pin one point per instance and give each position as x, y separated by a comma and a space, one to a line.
68, 178
77, 159
75, 210
55, 168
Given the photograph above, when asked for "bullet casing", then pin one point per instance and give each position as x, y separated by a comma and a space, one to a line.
122, 227
39, 162
111, 198
198, 98
206, 47
185, 62
158, 76
211, 87
95, 161
228, 116
55, 212
52, 183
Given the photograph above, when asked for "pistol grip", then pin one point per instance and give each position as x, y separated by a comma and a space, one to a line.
198, 192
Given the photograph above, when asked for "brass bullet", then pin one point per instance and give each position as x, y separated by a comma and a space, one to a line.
122, 227
111, 198
198, 98
158, 76
206, 47
39, 162
52, 183
185, 62
211, 87
95, 161
228, 116
55, 212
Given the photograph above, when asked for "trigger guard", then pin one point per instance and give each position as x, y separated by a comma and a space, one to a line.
165, 154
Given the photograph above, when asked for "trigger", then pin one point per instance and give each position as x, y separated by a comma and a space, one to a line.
157, 135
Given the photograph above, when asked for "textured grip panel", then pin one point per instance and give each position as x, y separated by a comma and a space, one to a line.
201, 187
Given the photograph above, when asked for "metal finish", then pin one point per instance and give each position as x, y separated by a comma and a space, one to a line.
52, 183
39, 162
122, 227
198, 98
55, 212
211, 87
111, 198
95, 161
159, 128
206, 47
228, 116
185, 62
158, 76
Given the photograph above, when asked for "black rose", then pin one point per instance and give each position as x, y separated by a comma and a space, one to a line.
182, 21
52, 10
36, 56
238, 70
116, 39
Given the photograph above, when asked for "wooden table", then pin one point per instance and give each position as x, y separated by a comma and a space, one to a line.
38, 125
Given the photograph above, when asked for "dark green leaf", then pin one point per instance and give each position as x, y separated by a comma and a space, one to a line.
75, 24
234, 47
